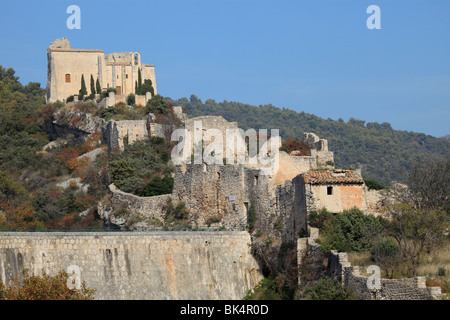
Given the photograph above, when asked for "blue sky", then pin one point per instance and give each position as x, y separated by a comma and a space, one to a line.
313, 56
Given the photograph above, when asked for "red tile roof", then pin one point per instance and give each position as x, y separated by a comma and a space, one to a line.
333, 177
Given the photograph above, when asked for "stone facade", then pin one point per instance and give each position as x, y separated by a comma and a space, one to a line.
116, 70
128, 266
334, 190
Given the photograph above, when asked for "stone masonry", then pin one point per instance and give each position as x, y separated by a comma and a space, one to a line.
128, 266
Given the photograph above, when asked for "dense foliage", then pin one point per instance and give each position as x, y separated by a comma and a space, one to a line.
382, 152
29, 197
143, 168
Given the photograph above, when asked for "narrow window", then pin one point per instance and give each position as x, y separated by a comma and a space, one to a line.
329, 190
67, 77
126, 76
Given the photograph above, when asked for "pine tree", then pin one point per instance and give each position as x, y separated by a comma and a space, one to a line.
99, 88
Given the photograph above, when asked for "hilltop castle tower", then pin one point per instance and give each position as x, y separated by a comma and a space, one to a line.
115, 70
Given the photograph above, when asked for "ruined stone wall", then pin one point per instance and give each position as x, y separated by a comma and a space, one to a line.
142, 208
391, 289
119, 133
213, 192
127, 266
291, 166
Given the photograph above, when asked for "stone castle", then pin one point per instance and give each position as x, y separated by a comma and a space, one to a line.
192, 265
118, 70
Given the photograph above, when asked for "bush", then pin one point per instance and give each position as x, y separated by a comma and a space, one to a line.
385, 253
179, 212
374, 185
131, 99
351, 230
328, 289
44, 287
158, 186
157, 105
317, 219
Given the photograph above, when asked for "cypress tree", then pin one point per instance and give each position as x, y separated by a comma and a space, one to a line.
139, 84
92, 86
83, 90
99, 88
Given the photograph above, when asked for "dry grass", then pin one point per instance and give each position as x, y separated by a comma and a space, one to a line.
429, 264
439, 258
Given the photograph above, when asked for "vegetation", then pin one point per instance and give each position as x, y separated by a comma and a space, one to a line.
384, 154
44, 287
351, 230
157, 104
328, 289
83, 90
29, 197
373, 184
143, 168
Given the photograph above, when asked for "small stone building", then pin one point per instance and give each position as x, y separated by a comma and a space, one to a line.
335, 190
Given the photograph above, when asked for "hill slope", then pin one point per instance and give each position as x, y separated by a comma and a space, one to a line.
382, 152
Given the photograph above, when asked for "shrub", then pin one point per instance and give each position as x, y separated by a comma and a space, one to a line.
328, 289
131, 99
44, 287
351, 230
385, 253
157, 105
374, 185
317, 219
179, 212
158, 186
251, 217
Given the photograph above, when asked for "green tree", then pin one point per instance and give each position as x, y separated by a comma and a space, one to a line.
98, 87
385, 253
157, 105
92, 86
139, 82
418, 217
83, 90
147, 87
351, 230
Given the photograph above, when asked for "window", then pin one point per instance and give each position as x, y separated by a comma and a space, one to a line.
67, 77
329, 191
126, 76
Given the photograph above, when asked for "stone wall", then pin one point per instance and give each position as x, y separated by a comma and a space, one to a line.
120, 133
142, 208
391, 289
157, 265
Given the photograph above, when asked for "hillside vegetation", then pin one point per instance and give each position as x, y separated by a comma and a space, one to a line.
384, 154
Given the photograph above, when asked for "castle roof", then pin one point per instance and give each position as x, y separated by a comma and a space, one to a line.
335, 176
